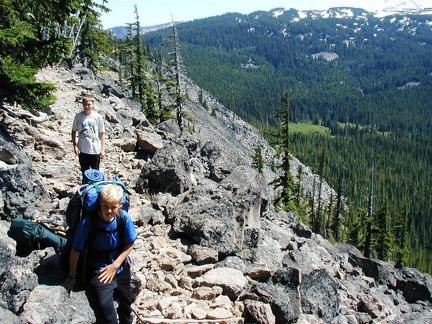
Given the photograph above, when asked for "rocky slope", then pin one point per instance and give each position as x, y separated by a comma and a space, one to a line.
211, 246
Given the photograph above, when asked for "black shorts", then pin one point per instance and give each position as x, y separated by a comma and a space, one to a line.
89, 161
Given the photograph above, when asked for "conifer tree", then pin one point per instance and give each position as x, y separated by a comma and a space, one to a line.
312, 202
145, 93
29, 42
297, 187
89, 38
140, 72
401, 237
119, 54
336, 221
127, 52
328, 217
318, 224
176, 63
35, 34
354, 226
285, 181
383, 238
164, 82
257, 161
200, 97
369, 220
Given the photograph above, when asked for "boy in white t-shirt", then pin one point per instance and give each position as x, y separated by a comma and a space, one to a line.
90, 128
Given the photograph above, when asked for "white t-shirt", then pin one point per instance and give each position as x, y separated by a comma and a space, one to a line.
88, 129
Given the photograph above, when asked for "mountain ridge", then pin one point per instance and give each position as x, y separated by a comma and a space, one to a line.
388, 10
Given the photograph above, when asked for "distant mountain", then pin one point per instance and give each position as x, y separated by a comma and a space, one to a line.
406, 4
121, 31
386, 8
404, 7
339, 50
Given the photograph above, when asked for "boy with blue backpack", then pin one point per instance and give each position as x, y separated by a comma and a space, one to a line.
108, 235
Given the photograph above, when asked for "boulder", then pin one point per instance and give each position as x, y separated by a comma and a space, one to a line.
226, 218
148, 142
319, 295
232, 281
167, 171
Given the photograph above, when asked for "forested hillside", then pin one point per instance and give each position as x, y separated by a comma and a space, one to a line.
366, 79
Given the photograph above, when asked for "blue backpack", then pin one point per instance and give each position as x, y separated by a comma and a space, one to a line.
86, 201
86, 198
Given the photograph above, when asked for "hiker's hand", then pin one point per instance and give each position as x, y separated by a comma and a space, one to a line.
76, 150
107, 274
69, 284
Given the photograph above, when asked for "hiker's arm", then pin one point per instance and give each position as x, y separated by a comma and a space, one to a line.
75, 147
108, 273
120, 259
73, 264
102, 138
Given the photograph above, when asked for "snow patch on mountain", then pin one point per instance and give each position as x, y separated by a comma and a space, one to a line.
379, 9
392, 7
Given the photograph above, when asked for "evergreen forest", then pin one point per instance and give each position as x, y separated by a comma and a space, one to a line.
366, 80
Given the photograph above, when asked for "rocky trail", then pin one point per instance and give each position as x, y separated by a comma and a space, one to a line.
157, 259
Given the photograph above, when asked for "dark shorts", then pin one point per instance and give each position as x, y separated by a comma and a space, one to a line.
89, 161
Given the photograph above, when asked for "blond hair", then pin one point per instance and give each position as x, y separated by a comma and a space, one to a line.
87, 98
112, 194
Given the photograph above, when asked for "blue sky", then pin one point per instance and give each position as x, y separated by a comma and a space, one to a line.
153, 12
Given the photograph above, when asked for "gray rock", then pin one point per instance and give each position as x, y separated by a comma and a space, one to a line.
416, 318
319, 295
61, 307
167, 171
260, 312
283, 301
219, 166
203, 255
231, 280
8, 317
126, 144
169, 129
148, 142
22, 191
228, 218
415, 286
233, 262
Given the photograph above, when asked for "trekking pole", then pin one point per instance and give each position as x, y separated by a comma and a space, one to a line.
137, 316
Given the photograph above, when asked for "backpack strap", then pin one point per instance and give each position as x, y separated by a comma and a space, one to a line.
83, 189
121, 225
